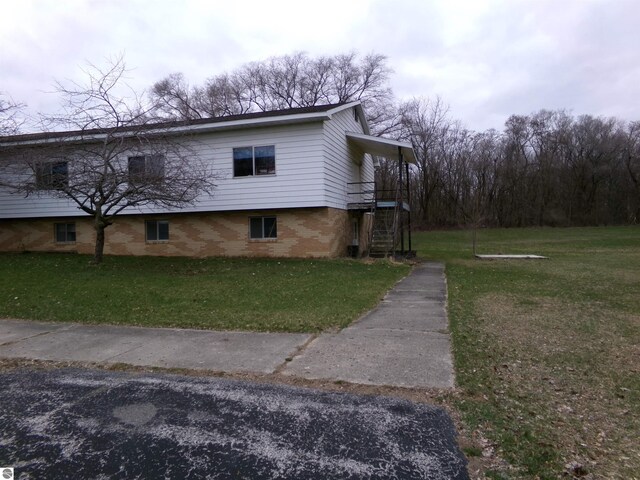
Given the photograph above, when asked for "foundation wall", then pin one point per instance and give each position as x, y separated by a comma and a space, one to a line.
304, 232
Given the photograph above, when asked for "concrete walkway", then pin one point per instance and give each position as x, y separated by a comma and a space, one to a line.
402, 342
230, 352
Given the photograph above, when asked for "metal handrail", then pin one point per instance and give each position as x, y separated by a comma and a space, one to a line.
364, 195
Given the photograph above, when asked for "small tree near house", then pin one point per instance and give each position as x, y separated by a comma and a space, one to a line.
112, 155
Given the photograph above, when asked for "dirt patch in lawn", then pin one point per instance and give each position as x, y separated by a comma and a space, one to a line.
567, 375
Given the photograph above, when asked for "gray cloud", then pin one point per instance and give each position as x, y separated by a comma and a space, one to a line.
487, 59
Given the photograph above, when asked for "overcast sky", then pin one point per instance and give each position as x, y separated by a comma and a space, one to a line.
487, 59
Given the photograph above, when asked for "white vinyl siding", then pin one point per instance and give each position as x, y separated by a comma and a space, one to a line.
343, 163
298, 181
314, 163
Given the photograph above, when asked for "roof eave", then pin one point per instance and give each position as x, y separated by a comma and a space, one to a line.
183, 129
383, 147
358, 106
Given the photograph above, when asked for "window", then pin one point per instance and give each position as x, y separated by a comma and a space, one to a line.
65, 232
146, 168
157, 230
52, 175
248, 161
263, 227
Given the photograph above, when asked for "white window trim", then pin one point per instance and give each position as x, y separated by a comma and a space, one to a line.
157, 221
254, 175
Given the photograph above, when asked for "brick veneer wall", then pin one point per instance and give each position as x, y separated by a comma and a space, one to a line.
305, 232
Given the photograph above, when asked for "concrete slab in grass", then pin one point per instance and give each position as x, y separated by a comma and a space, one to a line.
378, 357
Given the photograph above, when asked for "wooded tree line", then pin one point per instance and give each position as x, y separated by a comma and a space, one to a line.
546, 168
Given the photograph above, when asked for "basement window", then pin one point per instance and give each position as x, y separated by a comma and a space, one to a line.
65, 232
262, 228
157, 230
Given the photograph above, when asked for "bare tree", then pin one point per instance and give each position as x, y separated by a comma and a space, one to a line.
424, 124
287, 81
114, 159
10, 115
173, 95
632, 164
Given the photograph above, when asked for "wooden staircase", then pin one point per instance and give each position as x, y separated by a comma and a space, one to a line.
383, 238
390, 215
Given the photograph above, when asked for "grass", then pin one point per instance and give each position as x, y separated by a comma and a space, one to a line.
547, 352
214, 293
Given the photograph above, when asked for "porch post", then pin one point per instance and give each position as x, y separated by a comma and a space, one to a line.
406, 165
400, 222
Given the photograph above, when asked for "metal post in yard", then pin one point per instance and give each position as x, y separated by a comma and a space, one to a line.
406, 165
400, 162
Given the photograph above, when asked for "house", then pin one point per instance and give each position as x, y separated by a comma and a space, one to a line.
291, 183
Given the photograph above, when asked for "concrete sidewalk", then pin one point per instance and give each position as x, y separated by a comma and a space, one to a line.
230, 352
402, 342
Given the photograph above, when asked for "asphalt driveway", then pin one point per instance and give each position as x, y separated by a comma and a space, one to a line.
73, 423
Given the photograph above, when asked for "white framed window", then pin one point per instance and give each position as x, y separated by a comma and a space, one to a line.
52, 175
157, 230
262, 228
250, 161
65, 232
145, 168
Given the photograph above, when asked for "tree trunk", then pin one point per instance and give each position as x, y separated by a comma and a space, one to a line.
98, 254
99, 224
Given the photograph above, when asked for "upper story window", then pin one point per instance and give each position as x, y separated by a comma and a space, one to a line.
146, 168
52, 175
248, 161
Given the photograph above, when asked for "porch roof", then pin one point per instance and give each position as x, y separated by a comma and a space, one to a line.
383, 147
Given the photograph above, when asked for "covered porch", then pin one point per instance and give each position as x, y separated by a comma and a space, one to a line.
391, 232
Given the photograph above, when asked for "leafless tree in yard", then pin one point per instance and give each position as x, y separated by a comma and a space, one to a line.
115, 157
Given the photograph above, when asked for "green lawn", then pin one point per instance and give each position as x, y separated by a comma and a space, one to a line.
214, 293
547, 352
